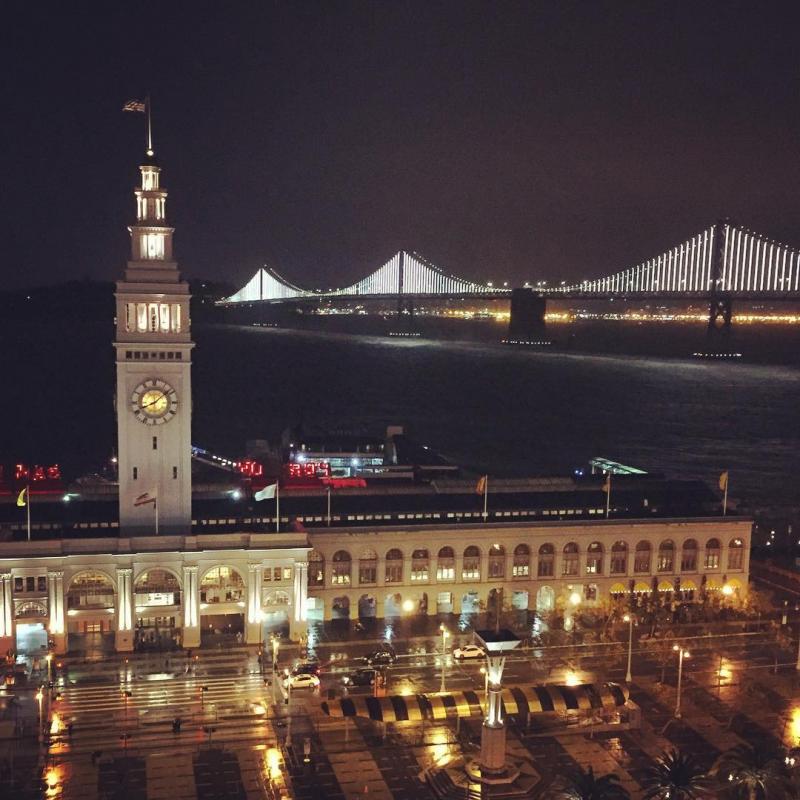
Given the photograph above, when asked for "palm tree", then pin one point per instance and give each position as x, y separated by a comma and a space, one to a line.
676, 776
755, 773
585, 785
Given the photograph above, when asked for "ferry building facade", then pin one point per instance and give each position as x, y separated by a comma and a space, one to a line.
153, 577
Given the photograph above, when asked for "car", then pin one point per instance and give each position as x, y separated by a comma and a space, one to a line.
361, 677
306, 668
383, 655
469, 651
303, 680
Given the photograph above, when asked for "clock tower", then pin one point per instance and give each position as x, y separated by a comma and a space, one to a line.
153, 353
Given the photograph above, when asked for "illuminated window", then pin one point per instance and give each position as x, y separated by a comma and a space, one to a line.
152, 311
594, 559
736, 554
471, 569
164, 314
316, 568
712, 554
394, 567
522, 561
419, 565
340, 571
175, 318
130, 316
152, 246
666, 556
141, 317
446, 565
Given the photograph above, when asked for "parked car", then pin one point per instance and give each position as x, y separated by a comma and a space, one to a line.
303, 680
361, 677
469, 651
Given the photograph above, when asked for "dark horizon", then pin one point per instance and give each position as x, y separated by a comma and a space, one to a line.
522, 142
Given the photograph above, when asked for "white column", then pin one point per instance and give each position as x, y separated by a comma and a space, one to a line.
7, 639
298, 619
124, 635
55, 597
253, 630
191, 608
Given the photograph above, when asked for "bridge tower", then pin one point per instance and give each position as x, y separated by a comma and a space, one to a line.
153, 358
720, 306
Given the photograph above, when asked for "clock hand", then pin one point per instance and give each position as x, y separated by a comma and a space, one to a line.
153, 402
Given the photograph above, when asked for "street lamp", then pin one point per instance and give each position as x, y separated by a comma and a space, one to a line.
629, 619
445, 635
260, 617
49, 659
681, 655
276, 646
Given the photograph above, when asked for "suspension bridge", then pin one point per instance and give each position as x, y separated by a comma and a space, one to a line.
722, 263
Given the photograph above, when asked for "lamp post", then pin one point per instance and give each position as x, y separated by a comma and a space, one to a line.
681, 655
276, 646
49, 659
445, 634
39, 698
629, 619
260, 617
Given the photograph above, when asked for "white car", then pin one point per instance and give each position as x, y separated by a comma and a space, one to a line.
469, 651
303, 680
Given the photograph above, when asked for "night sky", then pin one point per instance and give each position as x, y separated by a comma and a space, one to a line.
506, 141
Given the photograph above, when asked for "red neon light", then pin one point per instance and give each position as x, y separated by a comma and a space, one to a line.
37, 472
251, 469
309, 469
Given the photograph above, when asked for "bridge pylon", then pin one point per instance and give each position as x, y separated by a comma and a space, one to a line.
527, 324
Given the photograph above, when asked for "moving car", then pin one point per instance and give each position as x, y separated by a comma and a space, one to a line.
306, 668
469, 651
361, 677
385, 654
303, 680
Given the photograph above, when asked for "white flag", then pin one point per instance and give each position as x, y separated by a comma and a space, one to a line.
267, 493
146, 499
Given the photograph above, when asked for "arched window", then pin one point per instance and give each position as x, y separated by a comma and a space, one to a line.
367, 567
341, 568
689, 556
641, 559
736, 554
497, 561
547, 557
570, 563
594, 559
420, 562
90, 590
522, 561
157, 587
666, 556
446, 565
316, 568
712, 554
394, 566
619, 558
471, 569
222, 585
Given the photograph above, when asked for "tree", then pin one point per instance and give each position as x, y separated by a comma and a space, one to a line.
660, 648
676, 776
585, 785
755, 773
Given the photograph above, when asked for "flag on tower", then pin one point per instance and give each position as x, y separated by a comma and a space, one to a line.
22, 498
480, 487
135, 105
267, 493
723, 481
607, 484
146, 499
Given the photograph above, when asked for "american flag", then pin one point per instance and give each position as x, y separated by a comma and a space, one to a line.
146, 498
135, 105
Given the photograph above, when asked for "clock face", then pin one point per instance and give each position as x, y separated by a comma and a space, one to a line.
154, 402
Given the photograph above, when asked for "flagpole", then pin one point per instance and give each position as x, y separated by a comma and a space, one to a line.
725, 500
485, 498
149, 127
155, 508
278, 506
28, 509
608, 497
